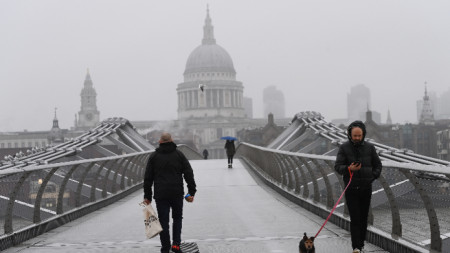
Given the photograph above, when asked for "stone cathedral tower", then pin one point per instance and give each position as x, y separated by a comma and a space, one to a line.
88, 116
427, 115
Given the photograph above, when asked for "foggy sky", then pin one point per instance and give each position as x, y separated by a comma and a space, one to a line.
136, 51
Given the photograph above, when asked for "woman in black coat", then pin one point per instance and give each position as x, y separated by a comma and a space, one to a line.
229, 146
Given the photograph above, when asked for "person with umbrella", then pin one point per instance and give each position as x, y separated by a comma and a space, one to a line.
231, 150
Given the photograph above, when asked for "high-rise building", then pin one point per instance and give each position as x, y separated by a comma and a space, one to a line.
358, 102
273, 101
248, 107
443, 144
88, 116
443, 108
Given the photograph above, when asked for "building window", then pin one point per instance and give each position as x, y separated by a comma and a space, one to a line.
30, 144
43, 144
36, 144
3, 145
16, 144
9, 144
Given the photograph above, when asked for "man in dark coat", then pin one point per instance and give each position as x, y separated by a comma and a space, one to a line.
229, 146
165, 170
361, 159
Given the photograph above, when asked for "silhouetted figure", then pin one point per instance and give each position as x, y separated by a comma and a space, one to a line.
205, 154
229, 146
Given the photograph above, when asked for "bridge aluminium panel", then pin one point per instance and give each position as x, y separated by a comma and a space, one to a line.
49, 186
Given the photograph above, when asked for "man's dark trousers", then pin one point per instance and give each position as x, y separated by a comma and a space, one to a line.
358, 202
163, 206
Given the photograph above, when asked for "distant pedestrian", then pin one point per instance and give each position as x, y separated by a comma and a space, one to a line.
205, 154
165, 170
231, 150
361, 159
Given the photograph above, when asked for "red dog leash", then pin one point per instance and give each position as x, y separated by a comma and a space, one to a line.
334, 208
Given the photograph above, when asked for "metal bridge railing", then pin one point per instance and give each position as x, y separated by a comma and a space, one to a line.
37, 195
189, 152
410, 209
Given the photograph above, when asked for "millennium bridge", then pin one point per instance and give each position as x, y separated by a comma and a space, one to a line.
83, 195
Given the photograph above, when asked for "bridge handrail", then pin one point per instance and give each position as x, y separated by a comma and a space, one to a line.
438, 169
189, 152
34, 167
297, 176
34, 196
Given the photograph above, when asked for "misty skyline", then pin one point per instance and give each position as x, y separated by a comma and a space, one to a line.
136, 51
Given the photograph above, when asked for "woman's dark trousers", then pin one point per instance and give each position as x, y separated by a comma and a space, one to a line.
163, 206
358, 202
230, 159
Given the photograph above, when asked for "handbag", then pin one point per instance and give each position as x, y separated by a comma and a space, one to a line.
151, 221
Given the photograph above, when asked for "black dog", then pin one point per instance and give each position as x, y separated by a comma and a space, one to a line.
306, 245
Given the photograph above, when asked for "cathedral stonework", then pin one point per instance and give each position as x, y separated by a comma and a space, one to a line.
210, 100
210, 88
88, 116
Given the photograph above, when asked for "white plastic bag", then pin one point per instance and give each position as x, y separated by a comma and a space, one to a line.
151, 221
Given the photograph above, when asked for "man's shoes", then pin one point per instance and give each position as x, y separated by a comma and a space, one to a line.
165, 249
356, 251
229, 166
176, 248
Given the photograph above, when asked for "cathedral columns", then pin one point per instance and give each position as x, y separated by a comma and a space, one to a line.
210, 99
217, 98
196, 104
190, 99
239, 99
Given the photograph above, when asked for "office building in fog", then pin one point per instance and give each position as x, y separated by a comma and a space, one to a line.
358, 102
443, 106
443, 144
273, 102
248, 107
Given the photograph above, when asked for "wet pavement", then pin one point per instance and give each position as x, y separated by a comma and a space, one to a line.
231, 213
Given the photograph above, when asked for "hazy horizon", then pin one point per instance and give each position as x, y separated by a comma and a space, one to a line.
136, 51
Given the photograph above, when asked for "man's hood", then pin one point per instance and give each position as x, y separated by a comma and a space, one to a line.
359, 124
